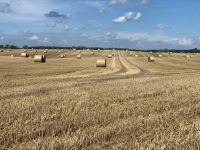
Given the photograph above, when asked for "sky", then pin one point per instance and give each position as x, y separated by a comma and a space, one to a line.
135, 24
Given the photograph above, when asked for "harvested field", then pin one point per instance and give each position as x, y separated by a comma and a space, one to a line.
70, 103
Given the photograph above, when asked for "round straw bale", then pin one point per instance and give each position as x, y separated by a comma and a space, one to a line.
25, 50
78, 57
12, 55
62, 56
24, 55
1, 50
101, 62
151, 59
113, 54
159, 55
92, 53
45, 51
109, 56
136, 55
187, 56
59, 51
40, 58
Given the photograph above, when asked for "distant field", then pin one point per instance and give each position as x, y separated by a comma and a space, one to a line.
69, 103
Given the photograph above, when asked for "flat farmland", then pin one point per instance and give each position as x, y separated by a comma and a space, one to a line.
69, 103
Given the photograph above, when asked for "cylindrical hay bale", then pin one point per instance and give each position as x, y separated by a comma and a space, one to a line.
24, 54
101, 62
12, 55
92, 53
136, 55
187, 56
25, 50
159, 55
59, 51
113, 54
1, 51
151, 59
78, 57
79, 51
62, 56
40, 58
45, 51
36, 51
109, 56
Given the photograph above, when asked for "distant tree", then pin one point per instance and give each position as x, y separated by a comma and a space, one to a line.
25, 46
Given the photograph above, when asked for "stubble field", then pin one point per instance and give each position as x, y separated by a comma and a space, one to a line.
69, 103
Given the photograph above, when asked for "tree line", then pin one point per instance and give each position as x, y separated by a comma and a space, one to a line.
8, 46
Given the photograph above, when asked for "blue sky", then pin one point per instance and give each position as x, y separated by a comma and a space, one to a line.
138, 24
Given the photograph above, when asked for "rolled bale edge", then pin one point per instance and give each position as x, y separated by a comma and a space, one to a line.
40, 58
110, 56
78, 56
101, 62
24, 55
151, 59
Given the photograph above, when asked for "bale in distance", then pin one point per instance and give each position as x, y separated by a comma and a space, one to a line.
1, 51
40, 58
101, 62
24, 55
151, 59
12, 55
62, 56
136, 55
78, 57
92, 53
159, 55
45, 51
25, 50
109, 56
113, 54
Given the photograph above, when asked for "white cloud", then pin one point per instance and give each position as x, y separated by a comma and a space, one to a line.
114, 2
2, 38
84, 35
52, 24
185, 41
162, 27
45, 40
121, 19
34, 37
128, 17
66, 27
138, 15
145, 2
